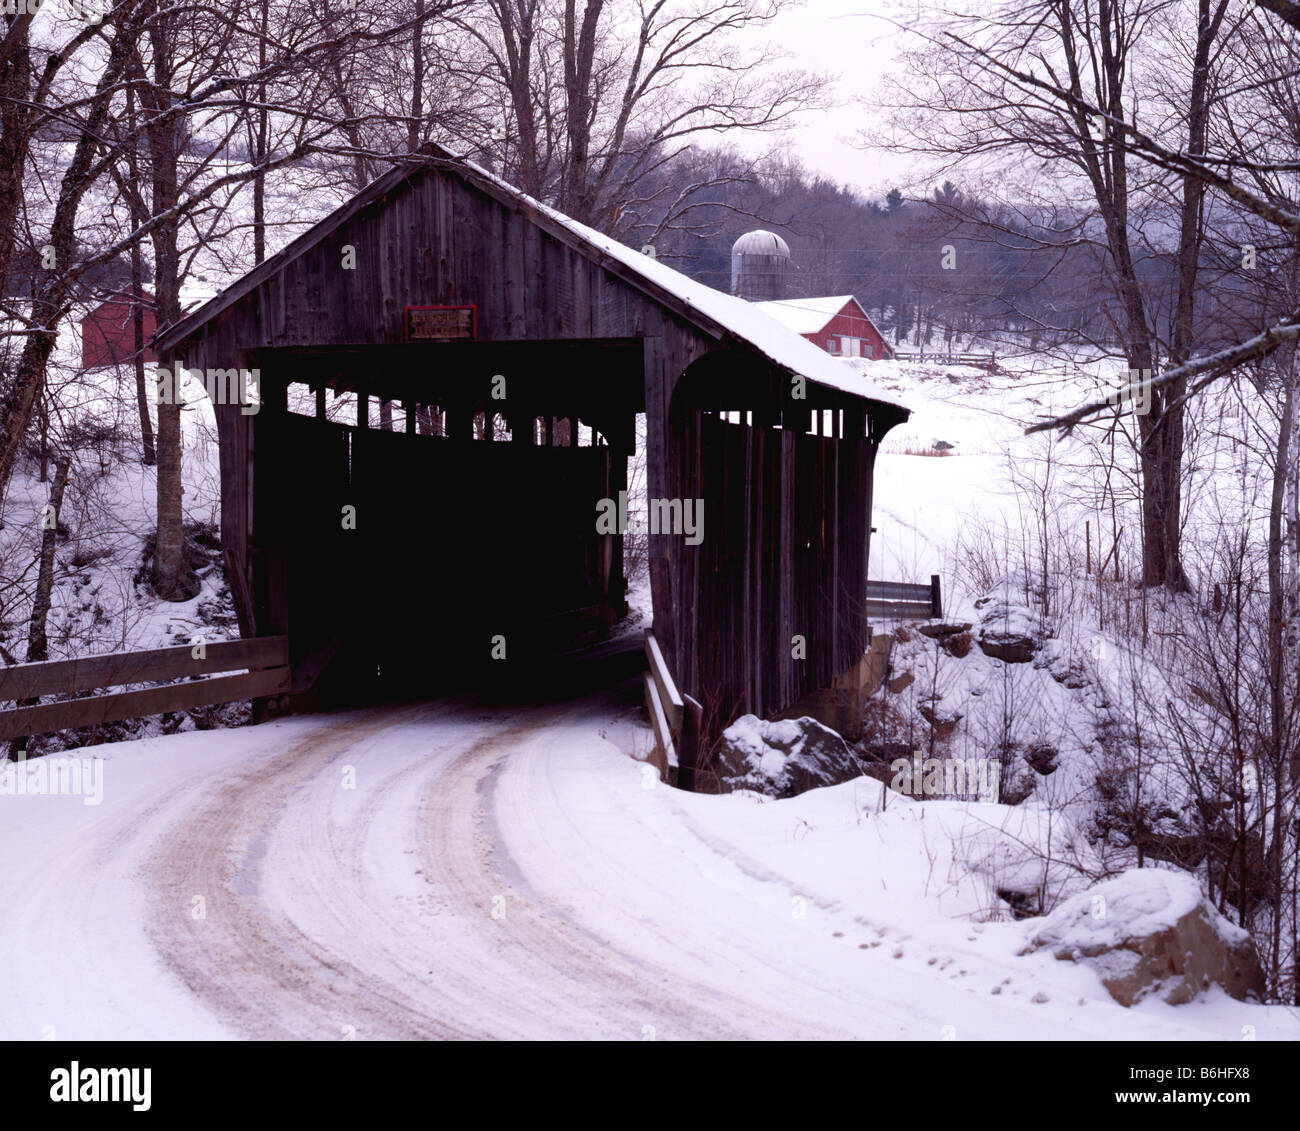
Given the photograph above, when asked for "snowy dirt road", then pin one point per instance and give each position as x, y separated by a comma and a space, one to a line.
457, 870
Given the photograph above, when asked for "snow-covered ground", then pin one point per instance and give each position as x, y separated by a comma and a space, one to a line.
445, 871
450, 870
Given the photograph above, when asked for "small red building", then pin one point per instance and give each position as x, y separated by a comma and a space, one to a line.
108, 332
838, 324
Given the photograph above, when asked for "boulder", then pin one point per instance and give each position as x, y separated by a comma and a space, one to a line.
1151, 931
1023, 904
940, 628
901, 683
784, 758
1165, 834
1042, 757
942, 722
1009, 630
957, 646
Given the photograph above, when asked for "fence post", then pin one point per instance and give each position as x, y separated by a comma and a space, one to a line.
936, 602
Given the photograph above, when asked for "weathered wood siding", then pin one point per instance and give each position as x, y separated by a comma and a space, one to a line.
432, 240
787, 513
773, 598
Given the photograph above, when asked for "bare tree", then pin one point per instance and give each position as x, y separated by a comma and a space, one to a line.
967, 102
598, 95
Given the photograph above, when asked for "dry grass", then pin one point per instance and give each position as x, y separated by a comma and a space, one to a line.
912, 448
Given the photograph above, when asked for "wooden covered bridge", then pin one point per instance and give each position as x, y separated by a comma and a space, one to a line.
499, 355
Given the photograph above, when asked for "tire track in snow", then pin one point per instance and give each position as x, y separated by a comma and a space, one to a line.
566, 981
309, 926
255, 968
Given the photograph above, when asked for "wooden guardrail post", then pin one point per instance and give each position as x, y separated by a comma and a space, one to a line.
675, 724
688, 747
936, 599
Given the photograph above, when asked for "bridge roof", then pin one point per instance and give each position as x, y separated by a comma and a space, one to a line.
720, 315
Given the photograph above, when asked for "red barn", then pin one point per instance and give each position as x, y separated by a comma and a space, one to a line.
108, 333
837, 324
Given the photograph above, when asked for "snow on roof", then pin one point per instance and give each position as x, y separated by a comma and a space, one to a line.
805, 315
743, 320
746, 320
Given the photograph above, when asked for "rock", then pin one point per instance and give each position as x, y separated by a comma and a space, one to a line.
1009, 629
782, 759
1071, 679
1164, 834
1151, 931
1014, 788
1023, 904
940, 628
1008, 649
1186, 849
942, 446
901, 683
957, 646
1042, 758
943, 724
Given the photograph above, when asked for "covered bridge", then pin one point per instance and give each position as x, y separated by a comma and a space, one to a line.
500, 354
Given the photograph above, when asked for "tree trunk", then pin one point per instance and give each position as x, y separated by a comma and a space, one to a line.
417, 80
1279, 671
150, 456
37, 639
172, 579
260, 146
15, 134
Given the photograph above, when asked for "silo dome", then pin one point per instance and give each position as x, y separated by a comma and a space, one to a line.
760, 242
759, 262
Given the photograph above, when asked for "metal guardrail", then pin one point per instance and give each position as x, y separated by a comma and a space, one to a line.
902, 600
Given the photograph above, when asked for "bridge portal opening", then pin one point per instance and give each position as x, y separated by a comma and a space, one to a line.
426, 519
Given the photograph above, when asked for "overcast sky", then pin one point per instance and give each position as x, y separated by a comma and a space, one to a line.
858, 40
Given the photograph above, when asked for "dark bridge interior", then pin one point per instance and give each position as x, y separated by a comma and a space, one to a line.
448, 524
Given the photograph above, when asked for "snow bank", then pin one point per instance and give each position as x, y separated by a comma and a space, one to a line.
1151, 931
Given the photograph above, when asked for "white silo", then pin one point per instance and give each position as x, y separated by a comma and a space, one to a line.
759, 262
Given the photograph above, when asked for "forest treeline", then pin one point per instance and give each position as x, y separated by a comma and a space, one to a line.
944, 266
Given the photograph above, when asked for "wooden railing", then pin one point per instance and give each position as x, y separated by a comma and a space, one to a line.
901, 600
674, 718
987, 361
264, 662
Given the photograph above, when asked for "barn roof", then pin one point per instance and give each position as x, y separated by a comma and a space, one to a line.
119, 298
809, 315
720, 315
